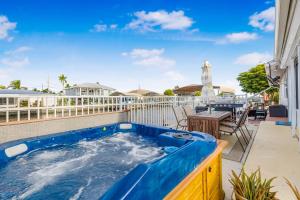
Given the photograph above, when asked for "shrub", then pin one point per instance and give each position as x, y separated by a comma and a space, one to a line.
169, 92
294, 189
197, 93
252, 187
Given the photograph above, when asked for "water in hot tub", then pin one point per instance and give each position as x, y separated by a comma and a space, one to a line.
84, 170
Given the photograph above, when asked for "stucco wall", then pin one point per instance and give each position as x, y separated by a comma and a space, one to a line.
287, 61
25, 130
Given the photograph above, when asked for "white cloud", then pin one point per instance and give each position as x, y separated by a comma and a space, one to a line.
174, 75
99, 28
4, 73
103, 27
18, 50
150, 58
15, 62
252, 59
5, 27
238, 38
144, 53
264, 20
156, 61
269, 2
113, 26
150, 21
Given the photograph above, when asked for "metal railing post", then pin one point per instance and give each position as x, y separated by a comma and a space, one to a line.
7, 110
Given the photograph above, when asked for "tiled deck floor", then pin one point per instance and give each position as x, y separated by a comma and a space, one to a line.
276, 153
236, 165
227, 167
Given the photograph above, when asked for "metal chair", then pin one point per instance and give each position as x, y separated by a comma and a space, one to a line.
188, 110
232, 122
243, 124
233, 128
180, 117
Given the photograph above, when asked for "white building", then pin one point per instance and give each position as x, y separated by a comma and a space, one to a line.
284, 69
11, 97
93, 89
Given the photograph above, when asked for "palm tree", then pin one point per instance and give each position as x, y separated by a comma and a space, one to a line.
68, 85
16, 84
63, 79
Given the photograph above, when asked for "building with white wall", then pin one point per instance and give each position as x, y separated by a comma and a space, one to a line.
284, 69
91, 89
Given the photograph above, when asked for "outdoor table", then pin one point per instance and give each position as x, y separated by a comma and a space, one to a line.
207, 122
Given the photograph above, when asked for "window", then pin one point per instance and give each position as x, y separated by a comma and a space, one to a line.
296, 82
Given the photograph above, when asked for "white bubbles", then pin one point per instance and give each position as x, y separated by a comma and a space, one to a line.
85, 170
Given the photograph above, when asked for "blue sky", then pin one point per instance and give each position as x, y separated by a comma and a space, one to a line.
124, 44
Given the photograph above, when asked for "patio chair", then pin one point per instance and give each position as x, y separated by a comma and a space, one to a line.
188, 110
232, 122
233, 128
243, 124
181, 120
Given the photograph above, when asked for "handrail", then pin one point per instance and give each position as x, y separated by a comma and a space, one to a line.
145, 109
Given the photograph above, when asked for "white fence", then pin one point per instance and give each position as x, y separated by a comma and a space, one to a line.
158, 110
149, 110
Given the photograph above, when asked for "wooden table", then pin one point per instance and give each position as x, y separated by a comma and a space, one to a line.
207, 122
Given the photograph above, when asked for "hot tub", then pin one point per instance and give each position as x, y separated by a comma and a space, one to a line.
117, 161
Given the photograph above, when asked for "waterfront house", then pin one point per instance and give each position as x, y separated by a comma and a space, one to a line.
143, 92
191, 89
89, 89
9, 97
117, 93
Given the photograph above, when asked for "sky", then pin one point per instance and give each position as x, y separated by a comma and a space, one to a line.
126, 44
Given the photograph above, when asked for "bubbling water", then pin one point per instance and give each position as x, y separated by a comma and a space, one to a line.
84, 170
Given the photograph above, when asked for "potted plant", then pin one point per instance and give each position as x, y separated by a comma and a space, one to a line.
294, 189
252, 187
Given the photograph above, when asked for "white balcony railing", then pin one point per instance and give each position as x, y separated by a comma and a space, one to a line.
149, 110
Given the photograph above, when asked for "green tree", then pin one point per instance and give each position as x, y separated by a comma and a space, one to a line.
68, 85
16, 84
254, 80
2, 87
273, 94
63, 80
169, 92
197, 93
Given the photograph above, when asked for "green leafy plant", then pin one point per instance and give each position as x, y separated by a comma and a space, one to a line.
63, 80
294, 189
273, 94
197, 93
16, 84
169, 92
254, 80
252, 187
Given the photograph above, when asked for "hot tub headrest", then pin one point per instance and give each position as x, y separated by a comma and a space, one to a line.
178, 139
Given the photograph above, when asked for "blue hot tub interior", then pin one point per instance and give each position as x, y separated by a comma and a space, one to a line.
165, 159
